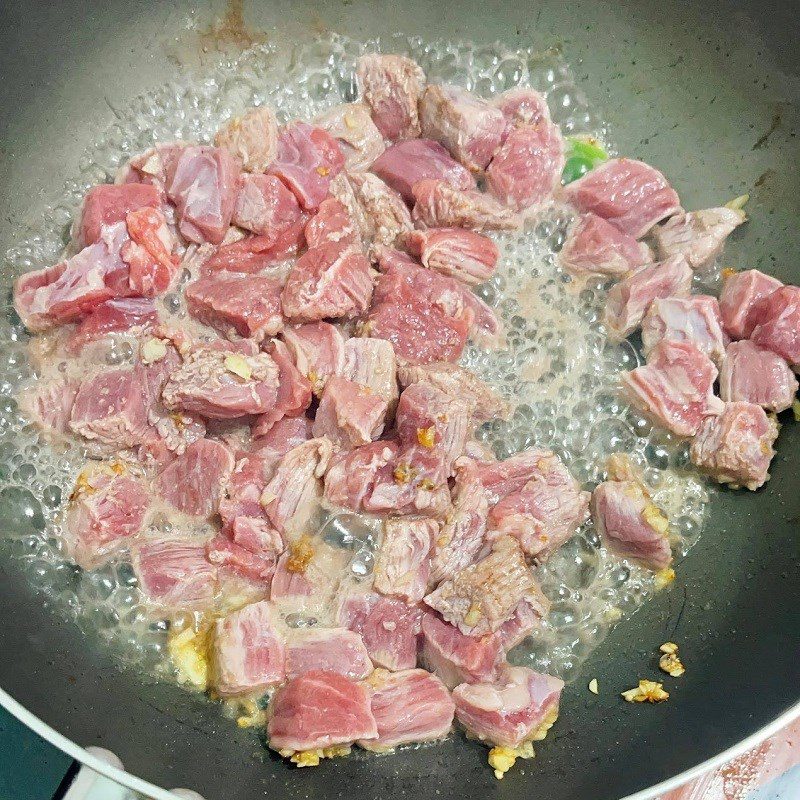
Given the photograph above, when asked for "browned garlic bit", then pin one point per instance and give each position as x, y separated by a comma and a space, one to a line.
664, 577
670, 662
646, 691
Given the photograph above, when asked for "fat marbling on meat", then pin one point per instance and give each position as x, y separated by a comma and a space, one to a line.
252, 138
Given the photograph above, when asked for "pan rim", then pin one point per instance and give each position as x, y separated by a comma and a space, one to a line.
142, 786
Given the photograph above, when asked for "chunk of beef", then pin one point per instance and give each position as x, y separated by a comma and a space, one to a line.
520, 706
379, 211
332, 649
119, 315
252, 138
777, 323
391, 86
402, 565
318, 351
735, 447
349, 414
353, 476
283, 435
308, 575
410, 706
250, 474
455, 252
49, 404
357, 135
257, 253
751, 374
372, 363
630, 524
248, 653
628, 300
438, 204
332, 224
154, 167
109, 203
698, 236
596, 247
523, 106
741, 295
675, 388
257, 568
148, 253
526, 618
265, 207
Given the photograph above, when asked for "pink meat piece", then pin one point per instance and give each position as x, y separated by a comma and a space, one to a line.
288, 584
237, 305
455, 657
319, 709
195, 480
526, 618
107, 507
328, 281
630, 524
174, 573
49, 405
257, 253
252, 138
421, 313
318, 351
354, 475
502, 478
694, 319
455, 252
109, 203
471, 128
740, 298
265, 207
484, 328
114, 316
526, 170
332, 224
777, 323
631, 195
282, 435
698, 236
675, 388
596, 247
349, 414
751, 374
225, 553
372, 363
388, 626
404, 164
154, 167
391, 86
627, 301
250, 474
517, 707
481, 597
403, 564
203, 187
410, 706
248, 653
205, 385
357, 135
736, 446
332, 649
148, 254
308, 159
438, 204
523, 106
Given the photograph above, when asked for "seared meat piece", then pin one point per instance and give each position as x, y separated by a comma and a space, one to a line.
349, 414
777, 323
332, 649
752, 374
403, 562
437, 204
252, 138
455, 252
317, 349
265, 207
357, 135
371, 362
523, 106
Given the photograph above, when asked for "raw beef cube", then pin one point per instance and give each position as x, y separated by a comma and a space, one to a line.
402, 565
294, 389
391, 86
751, 374
523, 106
527, 169
742, 293
371, 362
257, 253
631, 195
203, 188
627, 301
596, 247
520, 706
227, 554
114, 316
349, 414
630, 524
456, 658
317, 350
222, 385
736, 446
675, 388
248, 651
242, 495
332, 223
410, 706
403, 165
329, 281
502, 478
437, 204
526, 618
353, 476
308, 159
154, 167
195, 480
49, 405
695, 319
469, 127
356, 134
148, 254
482, 596
174, 573
332, 649
698, 236
421, 313
108, 203
282, 435
777, 325
308, 575
265, 207
389, 627
455, 252
107, 507
484, 402
252, 138
243, 305
319, 709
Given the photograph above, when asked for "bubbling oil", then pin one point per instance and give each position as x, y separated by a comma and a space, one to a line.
555, 363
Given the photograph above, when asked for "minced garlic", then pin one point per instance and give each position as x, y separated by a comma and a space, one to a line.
728, 272
646, 692
153, 350
300, 554
311, 758
188, 650
427, 436
655, 518
323, 171
670, 662
664, 577
501, 759
238, 365
738, 203
593, 688
474, 615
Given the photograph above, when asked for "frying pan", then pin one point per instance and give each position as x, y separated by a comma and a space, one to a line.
708, 91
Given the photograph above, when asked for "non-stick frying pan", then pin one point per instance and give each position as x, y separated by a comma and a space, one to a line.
707, 90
